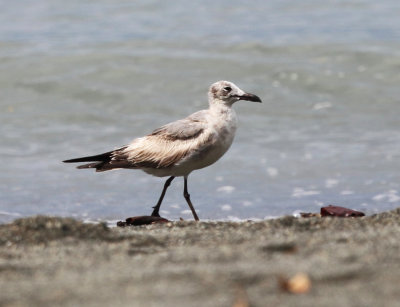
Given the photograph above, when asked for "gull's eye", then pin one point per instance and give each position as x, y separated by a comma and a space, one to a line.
227, 88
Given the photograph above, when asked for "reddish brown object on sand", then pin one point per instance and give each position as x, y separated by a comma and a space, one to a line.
340, 212
142, 220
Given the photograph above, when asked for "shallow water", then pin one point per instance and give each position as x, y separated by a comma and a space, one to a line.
81, 78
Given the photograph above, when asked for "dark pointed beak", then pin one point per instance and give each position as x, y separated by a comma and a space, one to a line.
249, 97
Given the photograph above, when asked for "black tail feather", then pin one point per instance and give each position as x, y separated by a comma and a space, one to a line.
102, 162
104, 157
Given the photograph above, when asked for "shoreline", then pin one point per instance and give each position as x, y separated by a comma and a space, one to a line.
61, 261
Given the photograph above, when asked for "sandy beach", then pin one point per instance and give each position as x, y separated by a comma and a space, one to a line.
51, 261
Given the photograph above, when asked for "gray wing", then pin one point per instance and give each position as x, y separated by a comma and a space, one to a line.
168, 144
162, 148
184, 129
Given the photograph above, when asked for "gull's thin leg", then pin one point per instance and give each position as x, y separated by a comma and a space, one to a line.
157, 207
187, 197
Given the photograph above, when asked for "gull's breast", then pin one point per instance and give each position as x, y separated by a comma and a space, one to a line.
214, 144
203, 150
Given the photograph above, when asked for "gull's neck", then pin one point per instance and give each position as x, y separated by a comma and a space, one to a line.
217, 105
222, 111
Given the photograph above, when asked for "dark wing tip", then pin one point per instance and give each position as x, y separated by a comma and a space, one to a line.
75, 160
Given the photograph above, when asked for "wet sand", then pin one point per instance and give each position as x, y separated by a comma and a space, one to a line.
62, 262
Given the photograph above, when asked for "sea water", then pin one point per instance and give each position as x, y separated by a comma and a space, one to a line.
83, 77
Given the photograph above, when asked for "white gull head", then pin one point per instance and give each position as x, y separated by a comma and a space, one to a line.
227, 93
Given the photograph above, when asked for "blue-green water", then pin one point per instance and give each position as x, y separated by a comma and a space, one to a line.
83, 77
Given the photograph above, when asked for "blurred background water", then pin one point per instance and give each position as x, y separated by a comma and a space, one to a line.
82, 77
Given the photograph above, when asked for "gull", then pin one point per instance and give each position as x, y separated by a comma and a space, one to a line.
180, 147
